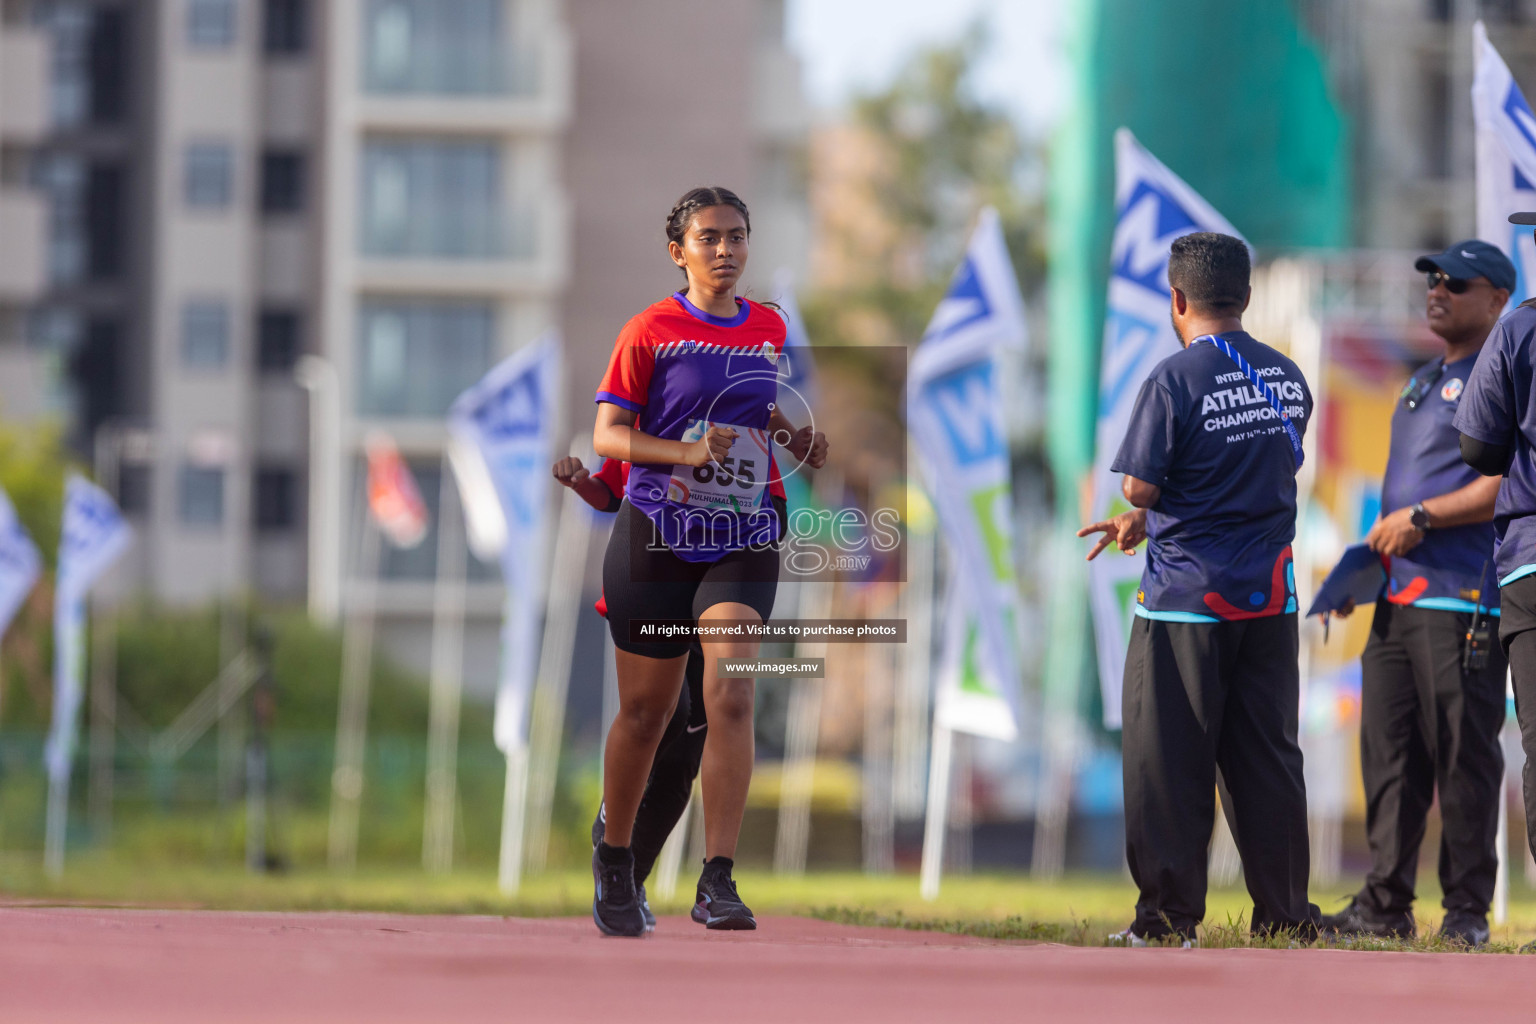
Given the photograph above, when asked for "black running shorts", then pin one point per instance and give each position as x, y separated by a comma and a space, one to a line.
643, 579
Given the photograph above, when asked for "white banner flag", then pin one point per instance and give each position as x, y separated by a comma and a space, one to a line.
1153, 206
20, 563
1506, 160
970, 696
955, 416
508, 422
797, 370
94, 536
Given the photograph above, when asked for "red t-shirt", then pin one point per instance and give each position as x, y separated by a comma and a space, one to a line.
681, 370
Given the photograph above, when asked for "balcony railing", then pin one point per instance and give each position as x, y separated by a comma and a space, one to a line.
444, 48
452, 235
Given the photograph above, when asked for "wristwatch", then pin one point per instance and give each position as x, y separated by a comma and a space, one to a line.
1418, 517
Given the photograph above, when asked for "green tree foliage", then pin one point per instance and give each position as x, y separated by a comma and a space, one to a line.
937, 155
33, 464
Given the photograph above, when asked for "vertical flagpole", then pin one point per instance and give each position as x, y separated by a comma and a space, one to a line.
447, 680
670, 862
1059, 725
610, 698
935, 825
514, 809
103, 720
352, 710
1501, 876
879, 821
911, 733
803, 730
573, 538
58, 771
318, 376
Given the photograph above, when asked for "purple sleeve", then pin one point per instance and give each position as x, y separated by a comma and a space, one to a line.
1487, 411
1147, 451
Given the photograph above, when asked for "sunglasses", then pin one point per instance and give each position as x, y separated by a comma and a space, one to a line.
1417, 389
1454, 285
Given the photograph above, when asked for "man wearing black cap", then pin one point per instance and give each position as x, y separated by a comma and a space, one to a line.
1497, 421
1430, 709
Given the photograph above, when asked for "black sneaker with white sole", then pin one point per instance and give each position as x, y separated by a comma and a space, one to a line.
1128, 937
616, 906
717, 905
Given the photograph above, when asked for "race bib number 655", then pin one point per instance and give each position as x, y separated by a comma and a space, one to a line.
735, 482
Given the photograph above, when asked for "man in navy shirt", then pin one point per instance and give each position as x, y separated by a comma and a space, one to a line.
1211, 681
1497, 421
1429, 717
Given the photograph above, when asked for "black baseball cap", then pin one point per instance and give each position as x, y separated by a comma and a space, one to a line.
1473, 258
1524, 217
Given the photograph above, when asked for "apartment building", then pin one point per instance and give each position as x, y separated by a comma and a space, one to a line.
1403, 71
198, 193
24, 65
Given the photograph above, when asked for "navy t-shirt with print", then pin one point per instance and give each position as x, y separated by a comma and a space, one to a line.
1445, 569
1497, 408
1219, 537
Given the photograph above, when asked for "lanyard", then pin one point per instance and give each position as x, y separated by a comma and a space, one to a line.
1416, 390
1264, 389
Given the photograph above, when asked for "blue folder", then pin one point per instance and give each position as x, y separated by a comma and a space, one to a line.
1359, 577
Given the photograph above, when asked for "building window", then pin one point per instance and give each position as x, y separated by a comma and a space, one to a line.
1435, 118
276, 498
415, 358
278, 341
431, 198
282, 181
285, 29
110, 43
438, 46
64, 178
106, 203
200, 498
69, 66
211, 23
133, 488
208, 181
205, 335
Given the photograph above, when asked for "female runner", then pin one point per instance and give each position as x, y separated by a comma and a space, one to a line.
688, 400
681, 748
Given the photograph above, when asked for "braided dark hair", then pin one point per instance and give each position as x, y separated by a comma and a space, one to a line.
696, 200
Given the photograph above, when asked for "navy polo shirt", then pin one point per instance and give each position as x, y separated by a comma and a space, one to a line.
1445, 570
1219, 537
1497, 408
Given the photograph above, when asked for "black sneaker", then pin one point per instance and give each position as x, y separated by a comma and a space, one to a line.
597, 837
1358, 919
1465, 927
615, 904
717, 905
1128, 937
645, 908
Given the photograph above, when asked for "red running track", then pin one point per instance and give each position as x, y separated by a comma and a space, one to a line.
172, 966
